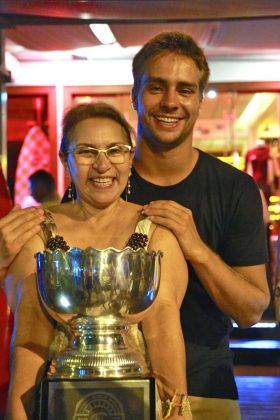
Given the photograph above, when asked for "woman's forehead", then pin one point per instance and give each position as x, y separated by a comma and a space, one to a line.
99, 132
99, 127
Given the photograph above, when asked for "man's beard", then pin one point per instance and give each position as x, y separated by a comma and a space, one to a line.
155, 142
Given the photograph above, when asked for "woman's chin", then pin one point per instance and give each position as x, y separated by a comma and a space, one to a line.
102, 198
98, 200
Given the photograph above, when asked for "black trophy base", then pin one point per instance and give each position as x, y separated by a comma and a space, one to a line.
98, 399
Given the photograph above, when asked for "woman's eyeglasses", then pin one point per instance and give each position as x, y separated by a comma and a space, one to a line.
87, 155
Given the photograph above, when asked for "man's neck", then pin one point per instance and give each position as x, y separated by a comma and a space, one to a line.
165, 167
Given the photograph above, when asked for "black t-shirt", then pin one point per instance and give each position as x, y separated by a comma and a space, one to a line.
227, 210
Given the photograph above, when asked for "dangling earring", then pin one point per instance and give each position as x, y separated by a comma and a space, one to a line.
128, 187
70, 194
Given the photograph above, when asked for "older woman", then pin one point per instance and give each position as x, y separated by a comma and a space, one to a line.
97, 152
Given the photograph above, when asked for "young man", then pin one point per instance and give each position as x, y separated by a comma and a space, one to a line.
214, 210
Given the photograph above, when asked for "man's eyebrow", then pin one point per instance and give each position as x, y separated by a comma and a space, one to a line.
155, 79
152, 79
188, 84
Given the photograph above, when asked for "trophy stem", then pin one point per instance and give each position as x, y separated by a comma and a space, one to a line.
100, 348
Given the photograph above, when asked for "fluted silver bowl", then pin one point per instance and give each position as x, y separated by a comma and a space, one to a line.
96, 293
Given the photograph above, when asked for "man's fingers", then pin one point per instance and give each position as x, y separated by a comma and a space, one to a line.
16, 207
16, 229
164, 221
12, 245
25, 222
18, 217
165, 203
168, 211
26, 235
165, 206
14, 236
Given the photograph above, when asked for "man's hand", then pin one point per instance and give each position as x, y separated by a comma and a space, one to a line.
16, 228
240, 292
180, 221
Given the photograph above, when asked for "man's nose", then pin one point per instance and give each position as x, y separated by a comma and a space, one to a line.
170, 98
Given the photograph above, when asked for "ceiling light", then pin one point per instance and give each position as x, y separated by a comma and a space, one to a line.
259, 103
211, 94
110, 51
103, 32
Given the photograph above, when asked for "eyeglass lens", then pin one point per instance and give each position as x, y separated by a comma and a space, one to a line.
89, 155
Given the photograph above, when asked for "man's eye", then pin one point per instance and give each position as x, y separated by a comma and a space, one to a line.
154, 88
185, 91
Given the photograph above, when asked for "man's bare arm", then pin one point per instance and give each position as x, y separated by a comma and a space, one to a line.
240, 292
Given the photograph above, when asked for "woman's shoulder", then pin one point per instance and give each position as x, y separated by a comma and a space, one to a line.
61, 208
133, 212
58, 214
162, 238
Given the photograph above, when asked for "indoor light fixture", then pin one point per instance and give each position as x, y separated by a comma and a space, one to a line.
211, 94
103, 33
259, 103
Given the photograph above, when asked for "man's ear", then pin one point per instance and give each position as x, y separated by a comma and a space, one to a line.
134, 98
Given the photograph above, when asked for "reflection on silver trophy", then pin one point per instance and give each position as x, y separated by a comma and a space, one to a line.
95, 292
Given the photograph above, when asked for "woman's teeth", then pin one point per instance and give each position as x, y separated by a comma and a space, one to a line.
103, 181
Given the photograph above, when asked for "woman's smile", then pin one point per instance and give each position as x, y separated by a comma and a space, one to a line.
102, 182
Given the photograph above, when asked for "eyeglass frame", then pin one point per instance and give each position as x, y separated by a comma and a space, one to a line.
105, 151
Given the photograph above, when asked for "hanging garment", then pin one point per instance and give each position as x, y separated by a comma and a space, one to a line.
34, 155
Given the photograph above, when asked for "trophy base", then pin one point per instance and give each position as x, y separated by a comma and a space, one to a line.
106, 399
88, 364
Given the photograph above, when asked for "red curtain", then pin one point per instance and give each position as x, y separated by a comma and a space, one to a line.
6, 319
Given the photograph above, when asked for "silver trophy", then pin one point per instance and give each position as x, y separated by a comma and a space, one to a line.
97, 293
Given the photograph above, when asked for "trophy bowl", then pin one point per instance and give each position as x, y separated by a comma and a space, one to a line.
100, 295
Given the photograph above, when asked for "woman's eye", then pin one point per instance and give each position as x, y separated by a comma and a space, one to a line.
114, 151
86, 152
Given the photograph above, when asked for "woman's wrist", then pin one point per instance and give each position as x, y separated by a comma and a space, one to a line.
177, 405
